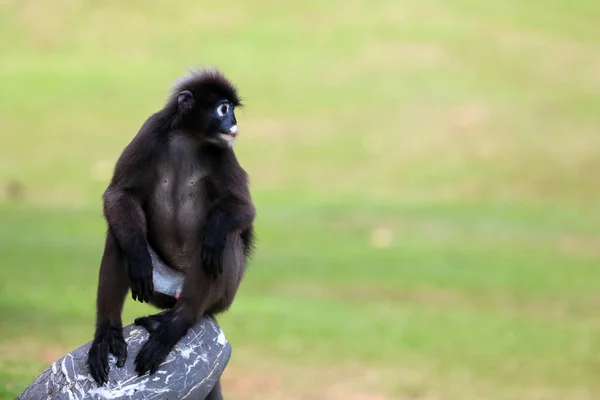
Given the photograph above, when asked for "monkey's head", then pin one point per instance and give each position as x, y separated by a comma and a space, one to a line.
206, 103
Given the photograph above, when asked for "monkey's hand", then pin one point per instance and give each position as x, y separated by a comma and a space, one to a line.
166, 329
213, 243
109, 339
140, 279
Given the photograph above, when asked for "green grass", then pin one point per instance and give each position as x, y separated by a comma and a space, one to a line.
424, 173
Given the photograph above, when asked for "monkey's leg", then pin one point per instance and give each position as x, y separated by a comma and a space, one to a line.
113, 285
216, 393
168, 327
202, 293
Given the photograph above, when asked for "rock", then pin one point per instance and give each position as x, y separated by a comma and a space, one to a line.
190, 371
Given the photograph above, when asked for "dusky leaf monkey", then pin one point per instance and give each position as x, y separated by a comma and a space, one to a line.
178, 189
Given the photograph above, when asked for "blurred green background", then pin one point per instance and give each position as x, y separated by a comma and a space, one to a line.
425, 173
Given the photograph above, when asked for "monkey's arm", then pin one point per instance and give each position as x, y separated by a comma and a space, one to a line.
124, 214
228, 216
232, 210
127, 222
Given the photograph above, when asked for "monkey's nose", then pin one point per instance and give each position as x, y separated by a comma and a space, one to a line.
233, 130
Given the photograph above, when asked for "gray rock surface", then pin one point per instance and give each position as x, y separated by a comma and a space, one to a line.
190, 371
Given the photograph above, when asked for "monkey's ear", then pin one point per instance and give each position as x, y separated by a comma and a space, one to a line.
185, 100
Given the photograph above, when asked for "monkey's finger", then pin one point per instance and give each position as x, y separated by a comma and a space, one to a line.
142, 360
119, 349
155, 360
211, 261
141, 293
136, 290
154, 367
140, 368
149, 289
141, 290
147, 365
105, 359
148, 358
103, 356
133, 290
219, 263
95, 364
98, 375
121, 357
94, 374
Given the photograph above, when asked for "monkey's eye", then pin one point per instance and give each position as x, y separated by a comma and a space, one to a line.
222, 109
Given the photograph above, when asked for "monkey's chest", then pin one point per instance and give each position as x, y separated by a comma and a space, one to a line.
176, 213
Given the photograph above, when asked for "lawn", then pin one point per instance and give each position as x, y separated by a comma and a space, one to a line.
426, 227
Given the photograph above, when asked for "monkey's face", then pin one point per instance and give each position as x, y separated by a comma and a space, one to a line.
222, 127
212, 119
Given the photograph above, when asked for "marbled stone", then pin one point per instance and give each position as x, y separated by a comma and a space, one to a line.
190, 371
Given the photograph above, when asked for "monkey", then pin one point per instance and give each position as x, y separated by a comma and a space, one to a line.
178, 189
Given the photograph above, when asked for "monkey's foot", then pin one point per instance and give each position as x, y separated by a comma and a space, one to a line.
166, 329
152, 322
109, 339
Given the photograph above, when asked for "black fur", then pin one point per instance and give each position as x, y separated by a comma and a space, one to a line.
165, 331
213, 241
108, 339
249, 240
179, 188
208, 86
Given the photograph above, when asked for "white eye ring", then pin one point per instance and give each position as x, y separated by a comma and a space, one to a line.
222, 109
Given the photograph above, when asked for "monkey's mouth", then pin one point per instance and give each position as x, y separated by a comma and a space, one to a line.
228, 137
